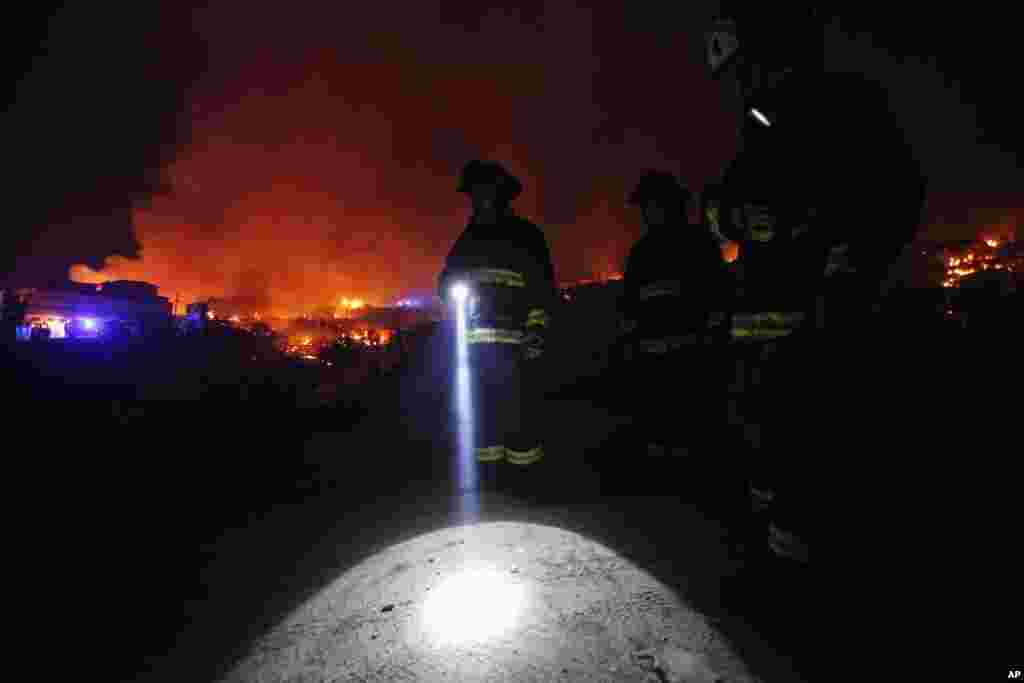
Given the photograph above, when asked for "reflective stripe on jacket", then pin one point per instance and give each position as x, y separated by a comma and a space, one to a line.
538, 317
496, 276
765, 325
489, 335
490, 454
524, 457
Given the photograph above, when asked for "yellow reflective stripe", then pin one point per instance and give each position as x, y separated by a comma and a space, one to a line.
497, 276
712, 213
493, 336
760, 333
762, 234
766, 324
525, 457
538, 316
490, 453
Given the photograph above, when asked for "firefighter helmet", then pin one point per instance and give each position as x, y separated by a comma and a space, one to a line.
658, 185
479, 172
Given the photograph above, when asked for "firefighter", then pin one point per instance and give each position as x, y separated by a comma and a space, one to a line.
815, 242
675, 292
505, 262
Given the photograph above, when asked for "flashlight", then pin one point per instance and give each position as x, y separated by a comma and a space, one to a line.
760, 117
460, 292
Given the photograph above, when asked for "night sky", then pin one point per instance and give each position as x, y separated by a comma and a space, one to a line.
314, 146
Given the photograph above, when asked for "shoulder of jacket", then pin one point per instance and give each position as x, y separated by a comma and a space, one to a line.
530, 232
525, 224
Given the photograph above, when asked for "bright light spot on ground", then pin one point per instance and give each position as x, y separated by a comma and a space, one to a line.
520, 595
459, 292
473, 606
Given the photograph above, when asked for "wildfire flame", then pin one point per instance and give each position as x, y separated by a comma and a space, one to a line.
351, 304
975, 260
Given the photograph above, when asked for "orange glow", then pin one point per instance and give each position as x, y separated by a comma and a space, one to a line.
992, 243
730, 251
347, 305
234, 319
209, 314
87, 275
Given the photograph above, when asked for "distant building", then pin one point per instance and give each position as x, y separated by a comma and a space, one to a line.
83, 310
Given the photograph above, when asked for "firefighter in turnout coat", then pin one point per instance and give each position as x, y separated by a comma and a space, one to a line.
675, 292
505, 263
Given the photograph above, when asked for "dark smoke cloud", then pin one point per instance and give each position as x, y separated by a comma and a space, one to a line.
94, 119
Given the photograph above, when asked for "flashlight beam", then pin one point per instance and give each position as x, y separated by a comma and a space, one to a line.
466, 470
